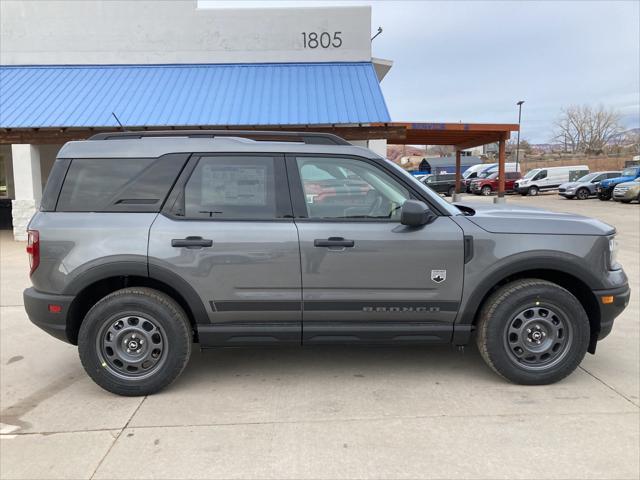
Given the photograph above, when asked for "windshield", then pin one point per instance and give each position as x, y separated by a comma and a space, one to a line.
467, 174
484, 174
493, 175
630, 171
588, 177
532, 173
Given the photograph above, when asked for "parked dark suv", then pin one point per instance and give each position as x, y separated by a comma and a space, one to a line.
148, 242
443, 183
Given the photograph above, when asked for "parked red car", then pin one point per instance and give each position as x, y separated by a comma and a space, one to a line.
486, 186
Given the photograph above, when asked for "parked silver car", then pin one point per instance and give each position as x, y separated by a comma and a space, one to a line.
627, 192
585, 187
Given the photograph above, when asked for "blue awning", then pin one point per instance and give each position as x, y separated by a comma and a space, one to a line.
190, 95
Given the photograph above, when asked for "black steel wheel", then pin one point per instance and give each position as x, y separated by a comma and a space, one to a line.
538, 337
132, 346
533, 332
135, 341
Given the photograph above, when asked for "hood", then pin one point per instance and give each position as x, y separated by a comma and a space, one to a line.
614, 181
572, 184
630, 184
506, 218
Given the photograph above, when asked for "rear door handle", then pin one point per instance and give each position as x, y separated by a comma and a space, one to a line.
333, 242
191, 242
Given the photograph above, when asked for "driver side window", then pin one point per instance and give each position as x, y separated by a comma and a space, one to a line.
542, 174
346, 188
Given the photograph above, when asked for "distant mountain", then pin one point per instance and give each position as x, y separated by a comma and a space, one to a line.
394, 152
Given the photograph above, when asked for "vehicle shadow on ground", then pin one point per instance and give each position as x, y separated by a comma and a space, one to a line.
434, 362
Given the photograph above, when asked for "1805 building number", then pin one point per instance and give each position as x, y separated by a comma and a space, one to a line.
322, 40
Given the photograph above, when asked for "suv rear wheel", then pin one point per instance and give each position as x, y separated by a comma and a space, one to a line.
533, 332
135, 341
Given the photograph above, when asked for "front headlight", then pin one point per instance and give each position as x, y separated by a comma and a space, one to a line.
571, 190
613, 254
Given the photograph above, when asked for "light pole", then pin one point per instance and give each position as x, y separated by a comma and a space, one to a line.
518, 141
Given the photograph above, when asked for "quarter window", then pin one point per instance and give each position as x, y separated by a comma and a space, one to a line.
118, 184
340, 188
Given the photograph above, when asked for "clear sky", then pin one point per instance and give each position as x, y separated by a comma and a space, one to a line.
471, 61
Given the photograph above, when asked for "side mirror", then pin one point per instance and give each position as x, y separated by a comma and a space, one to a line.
415, 213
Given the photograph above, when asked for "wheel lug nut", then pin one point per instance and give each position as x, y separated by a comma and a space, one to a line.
528, 330
128, 350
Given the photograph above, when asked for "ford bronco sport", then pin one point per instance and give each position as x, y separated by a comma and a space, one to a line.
148, 242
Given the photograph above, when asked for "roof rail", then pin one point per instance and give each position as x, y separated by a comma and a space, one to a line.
310, 138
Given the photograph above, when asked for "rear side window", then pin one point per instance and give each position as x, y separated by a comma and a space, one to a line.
237, 187
119, 184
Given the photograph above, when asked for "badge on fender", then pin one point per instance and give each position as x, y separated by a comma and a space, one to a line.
438, 276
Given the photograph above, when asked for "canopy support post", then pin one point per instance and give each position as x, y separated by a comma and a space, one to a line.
458, 167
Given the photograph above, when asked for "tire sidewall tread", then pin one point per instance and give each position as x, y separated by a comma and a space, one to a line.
165, 311
495, 313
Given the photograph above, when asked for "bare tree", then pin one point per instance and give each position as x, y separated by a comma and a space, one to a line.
586, 129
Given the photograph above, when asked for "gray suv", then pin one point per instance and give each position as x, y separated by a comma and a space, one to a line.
148, 242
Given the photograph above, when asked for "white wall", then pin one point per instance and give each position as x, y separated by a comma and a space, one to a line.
174, 31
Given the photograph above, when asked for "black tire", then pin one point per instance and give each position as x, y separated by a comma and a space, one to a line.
486, 191
605, 197
533, 191
582, 194
625, 201
143, 314
451, 191
498, 339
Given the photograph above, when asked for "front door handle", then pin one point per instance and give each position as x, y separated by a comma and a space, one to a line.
191, 242
333, 242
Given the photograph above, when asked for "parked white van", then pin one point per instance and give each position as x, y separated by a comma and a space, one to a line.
509, 167
544, 179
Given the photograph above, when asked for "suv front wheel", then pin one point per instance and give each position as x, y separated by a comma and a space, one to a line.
135, 341
533, 332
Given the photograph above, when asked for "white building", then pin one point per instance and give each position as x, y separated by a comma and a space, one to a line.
66, 67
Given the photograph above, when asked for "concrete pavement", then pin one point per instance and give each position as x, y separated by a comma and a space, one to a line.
332, 412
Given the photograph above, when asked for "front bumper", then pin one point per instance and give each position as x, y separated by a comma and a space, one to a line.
624, 194
37, 305
609, 311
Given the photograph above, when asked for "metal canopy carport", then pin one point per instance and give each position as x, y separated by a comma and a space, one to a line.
459, 135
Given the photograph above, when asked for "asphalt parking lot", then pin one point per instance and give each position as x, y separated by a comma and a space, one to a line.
324, 412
